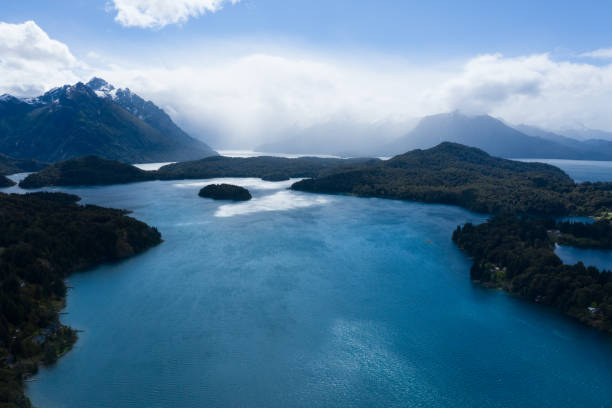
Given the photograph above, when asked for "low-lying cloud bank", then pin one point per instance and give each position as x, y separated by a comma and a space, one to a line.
243, 99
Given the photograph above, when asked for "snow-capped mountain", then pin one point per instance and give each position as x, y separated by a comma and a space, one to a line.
93, 119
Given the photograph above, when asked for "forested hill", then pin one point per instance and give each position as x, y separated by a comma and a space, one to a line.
86, 171
43, 238
267, 168
451, 173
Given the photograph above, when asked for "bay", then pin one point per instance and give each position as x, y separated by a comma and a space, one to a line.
295, 299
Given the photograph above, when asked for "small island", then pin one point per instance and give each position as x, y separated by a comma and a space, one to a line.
276, 177
225, 192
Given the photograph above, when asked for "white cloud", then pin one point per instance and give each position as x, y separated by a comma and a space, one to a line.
30, 61
160, 13
533, 89
489, 81
259, 97
244, 96
603, 53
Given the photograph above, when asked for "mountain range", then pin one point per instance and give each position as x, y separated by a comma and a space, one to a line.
98, 119
498, 139
93, 119
484, 132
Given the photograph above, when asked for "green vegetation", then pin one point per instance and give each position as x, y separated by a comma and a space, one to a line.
590, 199
72, 121
44, 237
225, 192
86, 171
92, 170
267, 168
582, 235
6, 182
468, 177
9, 165
448, 174
517, 254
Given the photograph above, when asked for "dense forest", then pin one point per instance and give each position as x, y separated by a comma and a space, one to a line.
6, 182
44, 237
266, 168
585, 235
92, 170
517, 254
468, 177
88, 171
9, 165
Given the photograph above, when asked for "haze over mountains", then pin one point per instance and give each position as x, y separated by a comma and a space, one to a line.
483, 131
93, 119
98, 119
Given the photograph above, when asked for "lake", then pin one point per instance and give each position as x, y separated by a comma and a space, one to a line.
304, 300
599, 258
581, 170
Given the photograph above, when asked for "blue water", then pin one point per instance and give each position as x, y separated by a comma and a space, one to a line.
301, 300
581, 170
599, 258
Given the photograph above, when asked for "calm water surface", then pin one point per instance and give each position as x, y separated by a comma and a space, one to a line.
581, 170
302, 300
599, 258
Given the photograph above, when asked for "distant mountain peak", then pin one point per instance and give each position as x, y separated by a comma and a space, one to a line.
97, 83
102, 88
8, 98
56, 95
485, 132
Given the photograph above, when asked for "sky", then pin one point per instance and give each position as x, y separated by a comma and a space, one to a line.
239, 73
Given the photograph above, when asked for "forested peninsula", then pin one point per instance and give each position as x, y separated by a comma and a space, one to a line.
86, 171
6, 182
44, 237
454, 174
266, 168
517, 254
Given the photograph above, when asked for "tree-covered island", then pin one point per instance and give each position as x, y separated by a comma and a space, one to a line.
225, 192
